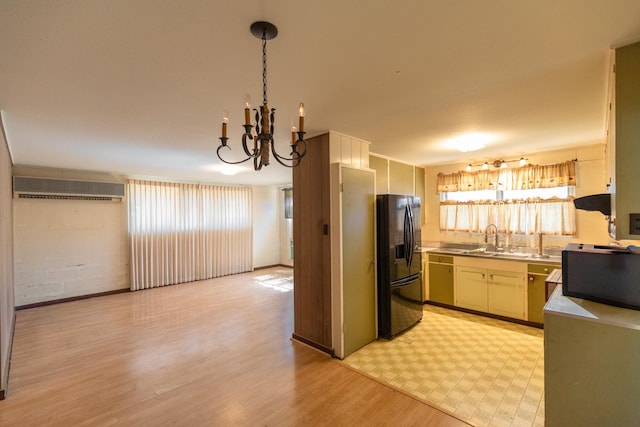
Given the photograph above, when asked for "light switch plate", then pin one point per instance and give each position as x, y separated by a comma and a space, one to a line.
634, 223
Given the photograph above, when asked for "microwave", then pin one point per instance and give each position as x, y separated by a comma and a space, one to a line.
605, 274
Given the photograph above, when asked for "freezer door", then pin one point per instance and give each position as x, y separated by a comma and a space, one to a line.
406, 304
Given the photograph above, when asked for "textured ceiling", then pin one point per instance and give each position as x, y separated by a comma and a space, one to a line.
138, 86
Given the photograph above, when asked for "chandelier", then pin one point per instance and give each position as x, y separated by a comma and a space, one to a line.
264, 120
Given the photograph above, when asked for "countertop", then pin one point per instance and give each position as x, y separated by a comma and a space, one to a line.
509, 256
579, 308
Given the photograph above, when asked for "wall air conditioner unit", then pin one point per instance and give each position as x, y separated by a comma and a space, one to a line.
65, 189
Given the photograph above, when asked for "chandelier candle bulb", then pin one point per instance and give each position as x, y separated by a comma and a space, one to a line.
301, 120
225, 120
293, 135
247, 109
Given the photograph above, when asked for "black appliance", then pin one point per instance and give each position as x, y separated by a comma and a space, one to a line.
600, 203
399, 263
606, 274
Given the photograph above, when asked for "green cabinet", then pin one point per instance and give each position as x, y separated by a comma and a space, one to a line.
381, 166
536, 289
400, 178
441, 279
626, 200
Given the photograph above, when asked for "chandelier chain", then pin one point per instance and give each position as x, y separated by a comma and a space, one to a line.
264, 69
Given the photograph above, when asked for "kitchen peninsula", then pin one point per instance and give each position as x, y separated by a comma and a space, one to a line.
591, 363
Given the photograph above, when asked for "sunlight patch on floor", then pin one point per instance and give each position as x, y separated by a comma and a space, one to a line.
280, 280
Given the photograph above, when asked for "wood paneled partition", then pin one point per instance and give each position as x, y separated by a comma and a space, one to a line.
312, 246
325, 225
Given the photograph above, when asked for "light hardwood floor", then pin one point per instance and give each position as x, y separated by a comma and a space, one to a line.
215, 352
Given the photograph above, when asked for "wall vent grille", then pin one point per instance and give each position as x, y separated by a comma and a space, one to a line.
64, 189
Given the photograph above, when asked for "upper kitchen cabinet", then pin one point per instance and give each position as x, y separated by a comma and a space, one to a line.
624, 144
400, 178
394, 177
381, 166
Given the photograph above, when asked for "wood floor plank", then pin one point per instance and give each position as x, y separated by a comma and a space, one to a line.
215, 352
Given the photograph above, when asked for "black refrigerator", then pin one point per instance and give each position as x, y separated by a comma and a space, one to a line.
399, 263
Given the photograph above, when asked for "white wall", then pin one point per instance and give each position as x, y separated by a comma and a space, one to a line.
590, 170
67, 248
266, 225
7, 312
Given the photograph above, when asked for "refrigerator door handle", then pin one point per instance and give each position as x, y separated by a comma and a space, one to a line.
411, 234
407, 235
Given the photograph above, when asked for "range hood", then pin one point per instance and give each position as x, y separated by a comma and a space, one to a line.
595, 202
600, 203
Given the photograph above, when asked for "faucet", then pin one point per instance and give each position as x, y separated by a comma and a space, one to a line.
486, 235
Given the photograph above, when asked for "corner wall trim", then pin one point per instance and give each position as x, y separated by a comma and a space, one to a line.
315, 345
272, 266
70, 299
5, 386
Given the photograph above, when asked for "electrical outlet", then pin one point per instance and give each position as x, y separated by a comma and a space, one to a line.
634, 223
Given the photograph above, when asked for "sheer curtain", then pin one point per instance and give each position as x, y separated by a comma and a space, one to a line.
184, 232
554, 216
550, 217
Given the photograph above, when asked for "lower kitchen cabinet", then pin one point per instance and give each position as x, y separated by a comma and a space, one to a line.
490, 291
470, 288
506, 296
537, 273
441, 279
491, 286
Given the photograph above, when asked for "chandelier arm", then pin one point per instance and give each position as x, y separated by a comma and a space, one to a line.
225, 161
273, 119
302, 141
245, 135
257, 163
281, 159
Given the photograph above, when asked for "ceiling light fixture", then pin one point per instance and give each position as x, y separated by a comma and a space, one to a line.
263, 141
499, 163
471, 141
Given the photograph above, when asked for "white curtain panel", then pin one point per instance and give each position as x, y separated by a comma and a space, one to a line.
550, 217
184, 232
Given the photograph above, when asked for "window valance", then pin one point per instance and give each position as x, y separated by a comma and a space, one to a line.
522, 178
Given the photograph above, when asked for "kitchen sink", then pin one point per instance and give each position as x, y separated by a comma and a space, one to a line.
482, 253
516, 255
510, 255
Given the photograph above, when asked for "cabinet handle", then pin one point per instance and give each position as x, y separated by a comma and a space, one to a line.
531, 279
483, 275
546, 270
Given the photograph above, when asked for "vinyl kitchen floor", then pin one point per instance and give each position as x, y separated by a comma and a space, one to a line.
484, 371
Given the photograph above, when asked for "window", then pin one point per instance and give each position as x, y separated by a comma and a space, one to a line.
528, 200
185, 232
